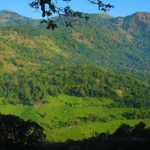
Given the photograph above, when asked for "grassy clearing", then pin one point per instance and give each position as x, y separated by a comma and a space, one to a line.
67, 117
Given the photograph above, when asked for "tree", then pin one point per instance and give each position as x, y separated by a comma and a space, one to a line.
66, 12
17, 133
123, 131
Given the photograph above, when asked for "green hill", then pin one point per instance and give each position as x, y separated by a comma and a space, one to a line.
102, 58
118, 44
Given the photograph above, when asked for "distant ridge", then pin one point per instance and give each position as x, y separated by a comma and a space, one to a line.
8, 18
12, 18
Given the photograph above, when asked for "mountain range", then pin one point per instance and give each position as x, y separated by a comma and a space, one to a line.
117, 46
120, 44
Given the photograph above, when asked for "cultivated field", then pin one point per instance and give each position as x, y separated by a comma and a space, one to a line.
68, 117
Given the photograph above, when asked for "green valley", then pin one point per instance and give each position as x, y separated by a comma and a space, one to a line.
68, 117
76, 82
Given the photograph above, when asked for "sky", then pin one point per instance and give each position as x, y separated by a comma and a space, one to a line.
122, 7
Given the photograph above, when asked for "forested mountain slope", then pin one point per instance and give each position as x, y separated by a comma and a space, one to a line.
104, 57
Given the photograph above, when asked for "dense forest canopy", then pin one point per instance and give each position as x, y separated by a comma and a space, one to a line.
83, 81
114, 53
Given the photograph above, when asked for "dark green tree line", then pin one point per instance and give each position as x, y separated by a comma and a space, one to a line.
16, 133
82, 81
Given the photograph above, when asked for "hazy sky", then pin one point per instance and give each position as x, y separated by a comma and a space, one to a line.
122, 7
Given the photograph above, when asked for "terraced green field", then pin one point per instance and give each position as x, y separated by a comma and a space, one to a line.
67, 117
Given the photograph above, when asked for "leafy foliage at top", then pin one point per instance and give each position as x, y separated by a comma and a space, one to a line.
66, 12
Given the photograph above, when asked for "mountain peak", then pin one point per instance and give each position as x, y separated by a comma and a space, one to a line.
8, 18
6, 13
141, 14
106, 15
143, 17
